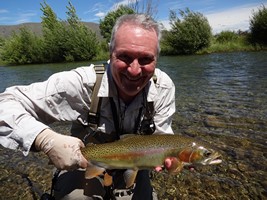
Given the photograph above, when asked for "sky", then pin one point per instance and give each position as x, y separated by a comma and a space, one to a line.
223, 15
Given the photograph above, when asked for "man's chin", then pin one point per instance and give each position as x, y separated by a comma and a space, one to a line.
132, 90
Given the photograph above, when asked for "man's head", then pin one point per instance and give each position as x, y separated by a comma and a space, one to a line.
134, 49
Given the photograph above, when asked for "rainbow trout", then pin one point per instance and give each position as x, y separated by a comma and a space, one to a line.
136, 152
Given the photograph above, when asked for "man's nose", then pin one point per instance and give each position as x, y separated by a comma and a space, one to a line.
135, 68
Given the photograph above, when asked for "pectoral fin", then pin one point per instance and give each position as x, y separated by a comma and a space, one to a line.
107, 180
129, 177
93, 171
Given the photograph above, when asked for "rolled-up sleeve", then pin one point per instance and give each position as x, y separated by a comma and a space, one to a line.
27, 110
18, 128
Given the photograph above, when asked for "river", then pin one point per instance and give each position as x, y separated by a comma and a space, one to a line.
220, 98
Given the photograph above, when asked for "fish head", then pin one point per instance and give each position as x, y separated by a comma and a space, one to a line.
197, 154
207, 156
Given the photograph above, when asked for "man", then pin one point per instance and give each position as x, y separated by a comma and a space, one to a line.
129, 84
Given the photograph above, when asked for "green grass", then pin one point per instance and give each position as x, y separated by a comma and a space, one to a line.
240, 44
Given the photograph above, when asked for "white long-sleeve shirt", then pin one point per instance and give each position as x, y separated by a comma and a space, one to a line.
66, 96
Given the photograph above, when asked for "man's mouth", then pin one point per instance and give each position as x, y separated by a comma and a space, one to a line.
135, 78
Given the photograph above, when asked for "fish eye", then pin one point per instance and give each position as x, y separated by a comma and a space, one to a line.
207, 153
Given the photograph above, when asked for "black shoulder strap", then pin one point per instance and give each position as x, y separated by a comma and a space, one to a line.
93, 117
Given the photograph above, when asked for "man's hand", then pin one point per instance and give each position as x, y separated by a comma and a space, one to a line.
63, 151
171, 164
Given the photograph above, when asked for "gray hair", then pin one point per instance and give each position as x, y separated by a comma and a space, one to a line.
142, 20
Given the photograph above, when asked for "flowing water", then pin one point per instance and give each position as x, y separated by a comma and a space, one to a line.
220, 98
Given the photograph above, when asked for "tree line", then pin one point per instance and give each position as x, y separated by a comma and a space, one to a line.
70, 40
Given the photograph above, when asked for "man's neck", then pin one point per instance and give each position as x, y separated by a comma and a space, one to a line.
125, 98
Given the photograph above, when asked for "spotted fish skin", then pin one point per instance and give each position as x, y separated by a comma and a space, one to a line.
136, 152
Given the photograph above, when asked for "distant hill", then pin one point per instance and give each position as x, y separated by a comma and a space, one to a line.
7, 30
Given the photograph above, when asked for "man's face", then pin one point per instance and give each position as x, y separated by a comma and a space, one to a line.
133, 59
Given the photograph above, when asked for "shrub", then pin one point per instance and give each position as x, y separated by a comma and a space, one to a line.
226, 36
258, 26
189, 34
22, 48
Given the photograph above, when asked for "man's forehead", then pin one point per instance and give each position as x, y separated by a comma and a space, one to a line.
136, 28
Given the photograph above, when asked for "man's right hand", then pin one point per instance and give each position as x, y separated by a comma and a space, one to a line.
171, 164
63, 151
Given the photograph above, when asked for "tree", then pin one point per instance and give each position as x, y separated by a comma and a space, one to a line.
23, 48
189, 34
81, 43
107, 24
147, 7
54, 33
258, 26
68, 40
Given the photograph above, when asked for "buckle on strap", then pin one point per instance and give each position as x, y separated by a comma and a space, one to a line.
122, 192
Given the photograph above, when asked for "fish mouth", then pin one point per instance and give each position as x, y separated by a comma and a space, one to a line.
213, 160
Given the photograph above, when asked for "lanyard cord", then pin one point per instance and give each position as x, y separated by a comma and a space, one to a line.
115, 117
119, 119
138, 119
121, 116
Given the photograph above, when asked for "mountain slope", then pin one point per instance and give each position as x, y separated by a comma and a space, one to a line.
7, 30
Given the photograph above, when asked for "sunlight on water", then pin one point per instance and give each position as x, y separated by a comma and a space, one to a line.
220, 98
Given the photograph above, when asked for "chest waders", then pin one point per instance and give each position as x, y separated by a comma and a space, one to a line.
146, 126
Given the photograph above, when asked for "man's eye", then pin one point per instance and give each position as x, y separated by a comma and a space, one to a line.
125, 58
142, 60
145, 60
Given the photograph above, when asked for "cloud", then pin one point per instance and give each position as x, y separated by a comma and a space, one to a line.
94, 13
120, 3
100, 10
100, 14
99, 7
95, 8
166, 24
233, 19
17, 18
25, 17
4, 19
2, 11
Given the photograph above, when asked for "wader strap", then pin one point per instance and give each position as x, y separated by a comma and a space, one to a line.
115, 117
147, 125
93, 118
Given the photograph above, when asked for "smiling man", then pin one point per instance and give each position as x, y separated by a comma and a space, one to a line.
136, 97
133, 58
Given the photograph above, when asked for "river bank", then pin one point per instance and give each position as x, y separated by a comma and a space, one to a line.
220, 98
